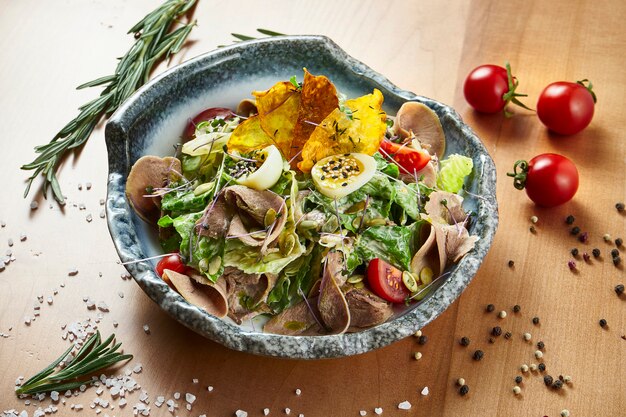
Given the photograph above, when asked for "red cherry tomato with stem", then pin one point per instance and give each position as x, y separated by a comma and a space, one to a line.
565, 107
385, 280
172, 262
489, 88
412, 160
549, 179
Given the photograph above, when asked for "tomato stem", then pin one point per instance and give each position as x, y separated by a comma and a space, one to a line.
519, 174
589, 88
511, 95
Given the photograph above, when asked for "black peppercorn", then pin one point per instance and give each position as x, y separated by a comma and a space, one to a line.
508, 335
547, 380
511, 264
558, 384
478, 355
490, 308
575, 230
492, 340
574, 252
619, 242
540, 345
602, 323
464, 341
541, 367
619, 289
614, 253
496, 331
516, 308
620, 207
422, 340
535, 320
596, 252
617, 260
464, 390
570, 219
518, 379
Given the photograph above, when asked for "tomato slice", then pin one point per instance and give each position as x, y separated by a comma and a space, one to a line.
412, 160
385, 280
204, 116
172, 262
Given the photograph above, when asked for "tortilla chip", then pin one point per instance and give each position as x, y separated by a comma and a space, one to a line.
319, 99
249, 136
360, 127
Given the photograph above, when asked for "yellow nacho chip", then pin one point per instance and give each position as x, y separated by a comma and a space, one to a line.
360, 127
248, 136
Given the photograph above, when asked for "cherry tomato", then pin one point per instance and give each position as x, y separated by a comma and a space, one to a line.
408, 158
172, 262
566, 108
489, 88
549, 179
206, 115
385, 280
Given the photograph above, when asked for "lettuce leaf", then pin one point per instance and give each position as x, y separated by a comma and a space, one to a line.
393, 244
453, 171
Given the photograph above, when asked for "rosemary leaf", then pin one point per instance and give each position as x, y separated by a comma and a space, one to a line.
155, 39
93, 356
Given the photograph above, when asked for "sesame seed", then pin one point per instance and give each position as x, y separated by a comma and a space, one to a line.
422, 340
567, 379
619, 289
547, 379
540, 345
511, 263
570, 219
541, 366
298, 391
378, 410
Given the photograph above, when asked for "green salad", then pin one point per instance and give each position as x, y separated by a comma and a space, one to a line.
318, 212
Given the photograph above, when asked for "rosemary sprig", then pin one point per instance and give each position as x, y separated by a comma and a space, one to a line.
154, 41
93, 356
266, 32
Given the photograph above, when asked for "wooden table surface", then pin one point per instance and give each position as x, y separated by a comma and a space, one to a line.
428, 47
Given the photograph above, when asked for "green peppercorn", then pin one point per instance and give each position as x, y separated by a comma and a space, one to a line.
570, 219
464, 341
547, 379
490, 308
464, 390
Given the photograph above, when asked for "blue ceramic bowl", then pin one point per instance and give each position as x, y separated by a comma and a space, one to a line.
151, 121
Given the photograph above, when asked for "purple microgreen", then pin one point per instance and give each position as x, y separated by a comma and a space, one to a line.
367, 202
306, 301
295, 156
311, 123
148, 259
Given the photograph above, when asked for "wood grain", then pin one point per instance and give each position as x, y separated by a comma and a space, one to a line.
428, 47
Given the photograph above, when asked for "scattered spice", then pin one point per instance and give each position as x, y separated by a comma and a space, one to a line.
619, 289
619, 206
535, 320
417, 356
575, 230
541, 367
586, 257
524, 368
460, 382
518, 379
492, 340
490, 308
572, 265
533, 367
502, 314
595, 252
565, 413
478, 355
465, 341
527, 336
540, 345
558, 384
517, 390
463, 390
617, 260
511, 263
619, 242
516, 308
538, 354
606, 237
508, 335
583, 237
547, 379
614, 253
532, 229
422, 340
602, 323
574, 252
570, 219
496, 331
534, 219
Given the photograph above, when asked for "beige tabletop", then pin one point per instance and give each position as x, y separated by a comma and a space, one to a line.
428, 47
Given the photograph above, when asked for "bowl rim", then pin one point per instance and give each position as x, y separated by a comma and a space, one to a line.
119, 215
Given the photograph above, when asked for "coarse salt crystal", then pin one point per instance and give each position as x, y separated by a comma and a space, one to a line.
241, 413
378, 410
190, 398
425, 391
209, 388
362, 413
146, 329
177, 395
266, 411
287, 410
195, 380
404, 405
298, 391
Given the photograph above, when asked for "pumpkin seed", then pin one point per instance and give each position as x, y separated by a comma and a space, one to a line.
214, 265
426, 275
287, 245
409, 281
308, 224
354, 279
359, 285
270, 217
331, 225
356, 222
376, 222
203, 188
203, 265
355, 208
